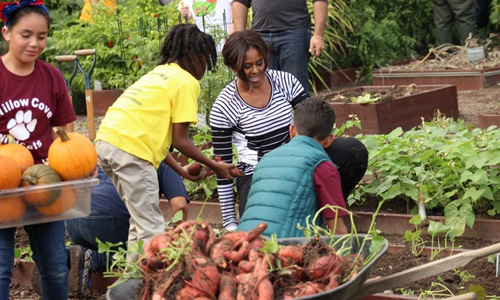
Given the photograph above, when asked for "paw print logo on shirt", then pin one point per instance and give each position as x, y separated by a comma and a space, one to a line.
22, 125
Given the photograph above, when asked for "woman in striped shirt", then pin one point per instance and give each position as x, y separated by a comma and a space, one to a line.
254, 113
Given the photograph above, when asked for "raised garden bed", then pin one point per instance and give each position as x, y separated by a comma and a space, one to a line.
103, 100
466, 79
487, 120
335, 79
398, 106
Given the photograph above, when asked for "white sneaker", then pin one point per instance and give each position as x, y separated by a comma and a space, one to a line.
231, 227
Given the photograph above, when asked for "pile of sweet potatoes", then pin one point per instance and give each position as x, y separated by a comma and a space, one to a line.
189, 262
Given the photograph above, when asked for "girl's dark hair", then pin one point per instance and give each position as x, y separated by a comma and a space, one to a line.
185, 42
22, 11
236, 47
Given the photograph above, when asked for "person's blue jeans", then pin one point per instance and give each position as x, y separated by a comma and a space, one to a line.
49, 254
84, 231
290, 52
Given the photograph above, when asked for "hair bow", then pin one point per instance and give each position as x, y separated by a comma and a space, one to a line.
8, 8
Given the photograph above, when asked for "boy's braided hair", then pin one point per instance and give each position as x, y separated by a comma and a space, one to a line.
185, 42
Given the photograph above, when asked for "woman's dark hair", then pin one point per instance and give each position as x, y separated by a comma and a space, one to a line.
184, 43
22, 11
236, 47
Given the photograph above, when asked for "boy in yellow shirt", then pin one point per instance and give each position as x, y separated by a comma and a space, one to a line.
147, 119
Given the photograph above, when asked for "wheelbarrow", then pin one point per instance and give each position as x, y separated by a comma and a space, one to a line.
358, 287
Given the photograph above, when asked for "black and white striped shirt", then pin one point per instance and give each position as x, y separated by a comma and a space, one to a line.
254, 131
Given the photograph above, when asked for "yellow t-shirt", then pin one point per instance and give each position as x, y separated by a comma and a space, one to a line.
140, 121
87, 9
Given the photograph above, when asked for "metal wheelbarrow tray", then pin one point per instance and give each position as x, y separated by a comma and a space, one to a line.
359, 287
128, 289
348, 289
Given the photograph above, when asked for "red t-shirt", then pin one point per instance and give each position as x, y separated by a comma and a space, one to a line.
328, 189
30, 105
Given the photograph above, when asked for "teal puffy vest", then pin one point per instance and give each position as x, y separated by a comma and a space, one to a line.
282, 192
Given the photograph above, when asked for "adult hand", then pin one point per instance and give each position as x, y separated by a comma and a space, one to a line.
316, 45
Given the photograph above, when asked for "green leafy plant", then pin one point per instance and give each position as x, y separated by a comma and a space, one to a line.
453, 166
384, 32
23, 252
464, 275
365, 98
415, 236
117, 265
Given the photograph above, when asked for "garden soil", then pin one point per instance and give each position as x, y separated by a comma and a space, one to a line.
480, 272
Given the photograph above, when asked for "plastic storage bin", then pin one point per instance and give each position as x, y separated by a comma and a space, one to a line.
73, 201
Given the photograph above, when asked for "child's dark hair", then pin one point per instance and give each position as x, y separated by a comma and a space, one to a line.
315, 118
183, 43
236, 46
23, 10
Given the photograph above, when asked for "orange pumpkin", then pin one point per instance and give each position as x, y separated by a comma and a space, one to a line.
10, 173
11, 208
18, 152
72, 155
65, 202
39, 175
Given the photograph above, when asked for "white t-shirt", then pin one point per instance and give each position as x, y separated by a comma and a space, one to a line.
209, 14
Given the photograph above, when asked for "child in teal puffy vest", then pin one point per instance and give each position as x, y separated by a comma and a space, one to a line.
296, 179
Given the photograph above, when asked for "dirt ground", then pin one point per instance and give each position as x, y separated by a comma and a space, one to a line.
470, 104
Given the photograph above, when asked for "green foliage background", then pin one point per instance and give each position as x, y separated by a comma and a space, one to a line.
386, 31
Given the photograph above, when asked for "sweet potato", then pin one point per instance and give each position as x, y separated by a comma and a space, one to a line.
195, 169
217, 253
201, 232
153, 259
240, 254
291, 254
245, 266
255, 285
302, 290
323, 266
227, 287
205, 276
188, 292
333, 281
234, 237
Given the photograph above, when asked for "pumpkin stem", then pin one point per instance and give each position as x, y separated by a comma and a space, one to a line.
31, 179
61, 133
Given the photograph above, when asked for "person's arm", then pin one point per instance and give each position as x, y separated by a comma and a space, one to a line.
340, 226
329, 192
240, 15
181, 141
294, 89
320, 11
